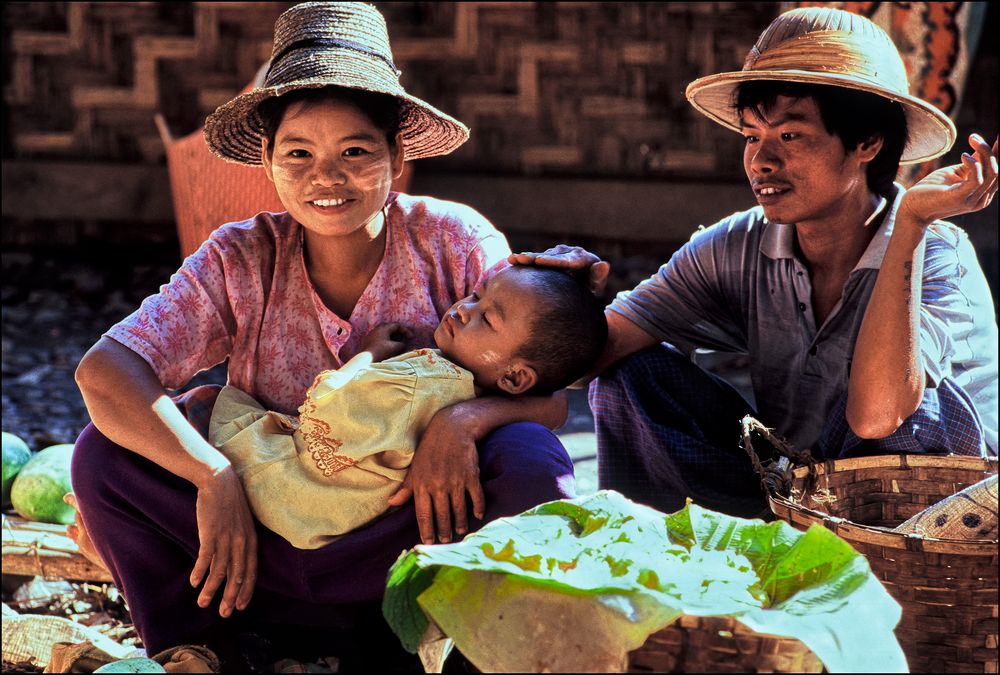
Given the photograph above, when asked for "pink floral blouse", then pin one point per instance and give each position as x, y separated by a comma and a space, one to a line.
245, 295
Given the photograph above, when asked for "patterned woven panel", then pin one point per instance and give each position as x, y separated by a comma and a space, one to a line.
577, 87
564, 87
85, 78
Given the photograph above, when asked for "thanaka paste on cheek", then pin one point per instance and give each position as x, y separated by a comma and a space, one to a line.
491, 358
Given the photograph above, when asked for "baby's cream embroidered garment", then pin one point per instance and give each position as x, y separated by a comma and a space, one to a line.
331, 470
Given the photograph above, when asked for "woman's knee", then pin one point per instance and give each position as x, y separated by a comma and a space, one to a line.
526, 458
95, 461
103, 471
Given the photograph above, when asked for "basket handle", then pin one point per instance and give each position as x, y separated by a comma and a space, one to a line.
775, 477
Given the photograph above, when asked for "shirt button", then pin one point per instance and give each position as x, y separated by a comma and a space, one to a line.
802, 306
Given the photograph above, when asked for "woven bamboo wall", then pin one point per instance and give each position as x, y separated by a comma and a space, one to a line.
578, 87
574, 88
85, 78
589, 93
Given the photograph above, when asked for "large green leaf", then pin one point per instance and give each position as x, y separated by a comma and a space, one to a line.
554, 565
406, 581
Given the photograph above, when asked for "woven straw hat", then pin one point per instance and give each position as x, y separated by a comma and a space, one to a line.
823, 45
319, 44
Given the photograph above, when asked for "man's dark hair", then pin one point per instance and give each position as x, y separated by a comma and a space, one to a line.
568, 333
853, 116
383, 110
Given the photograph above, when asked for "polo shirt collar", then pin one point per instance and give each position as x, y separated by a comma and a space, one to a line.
873, 255
778, 239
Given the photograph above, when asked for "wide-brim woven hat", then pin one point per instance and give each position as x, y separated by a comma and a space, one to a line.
824, 45
321, 44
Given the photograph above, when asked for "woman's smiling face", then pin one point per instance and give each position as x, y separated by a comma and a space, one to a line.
331, 166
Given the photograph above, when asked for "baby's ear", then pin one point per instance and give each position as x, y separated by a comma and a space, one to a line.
518, 378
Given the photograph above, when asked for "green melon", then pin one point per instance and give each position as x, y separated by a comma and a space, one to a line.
136, 665
15, 455
38, 490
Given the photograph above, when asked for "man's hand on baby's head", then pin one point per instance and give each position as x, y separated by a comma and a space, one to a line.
386, 340
575, 260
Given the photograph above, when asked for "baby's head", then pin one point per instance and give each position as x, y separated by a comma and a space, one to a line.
528, 329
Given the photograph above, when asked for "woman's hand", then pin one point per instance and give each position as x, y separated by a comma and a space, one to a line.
957, 189
227, 543
386, 340
128, 403
573, 259
445, 467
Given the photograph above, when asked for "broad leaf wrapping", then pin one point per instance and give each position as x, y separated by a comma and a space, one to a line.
648, 568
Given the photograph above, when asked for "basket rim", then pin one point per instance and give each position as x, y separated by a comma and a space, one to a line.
886, 536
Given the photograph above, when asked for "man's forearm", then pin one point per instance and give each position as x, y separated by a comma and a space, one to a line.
887, 379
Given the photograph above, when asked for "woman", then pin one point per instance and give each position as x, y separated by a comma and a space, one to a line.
284, 296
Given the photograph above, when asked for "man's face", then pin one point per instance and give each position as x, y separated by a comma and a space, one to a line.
798, 171
331, 166
483, 332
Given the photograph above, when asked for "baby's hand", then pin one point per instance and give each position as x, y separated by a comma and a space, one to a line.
386, 340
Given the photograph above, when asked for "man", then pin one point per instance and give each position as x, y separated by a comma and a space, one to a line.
868, 321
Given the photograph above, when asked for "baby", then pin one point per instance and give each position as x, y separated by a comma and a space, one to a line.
331, 470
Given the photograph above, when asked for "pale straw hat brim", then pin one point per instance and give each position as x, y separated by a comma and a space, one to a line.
833, 47
931, 132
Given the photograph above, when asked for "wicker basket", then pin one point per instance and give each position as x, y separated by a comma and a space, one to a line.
947, 587
720, 645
